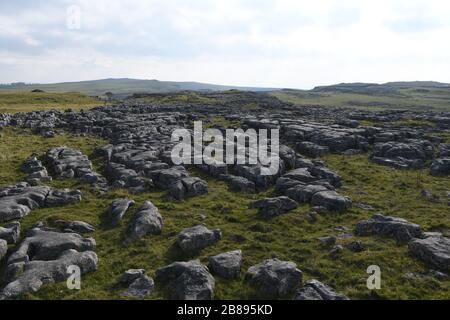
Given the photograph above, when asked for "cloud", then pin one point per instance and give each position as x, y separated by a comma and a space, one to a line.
287, 43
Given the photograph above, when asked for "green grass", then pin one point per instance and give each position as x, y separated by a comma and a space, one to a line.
406, 99
13, 102
289, 237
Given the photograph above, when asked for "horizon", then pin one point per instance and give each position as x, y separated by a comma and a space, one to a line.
271, 44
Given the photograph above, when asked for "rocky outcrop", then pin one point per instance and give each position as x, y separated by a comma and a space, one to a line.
192, 240
19, 200
397, 228
315, 290
433, 250
274, 279
44, 256
147, 221
226, 265
186, 281
270, 207
117, 210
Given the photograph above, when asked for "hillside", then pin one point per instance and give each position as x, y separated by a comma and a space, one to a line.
123, 87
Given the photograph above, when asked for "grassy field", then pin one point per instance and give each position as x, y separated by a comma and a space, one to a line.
289, 237
13, 102
405, 99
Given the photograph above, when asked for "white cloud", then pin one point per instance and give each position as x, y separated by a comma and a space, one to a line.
284, 43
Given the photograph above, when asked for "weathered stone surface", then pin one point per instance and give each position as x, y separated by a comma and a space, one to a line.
194, 239
44, 256
331, 200
186, 281
226, 265
315, 290
397, 228
440, 167
3, 248
47, 245
239, 184
117, 210
139, 285
36, 273
79, 227
19, 200
10, 232
434, 251
37, 173
274, 278
188, 187
147, 221
270, 207
69, 163
402, 155
355, 246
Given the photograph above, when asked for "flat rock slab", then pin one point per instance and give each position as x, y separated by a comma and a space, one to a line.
10, 232
434, 251
186, 281
274, 279
44, 256
397, 228
192, 240
316, 290
270, 207
19, 200
226, 265
147, 221
117, 210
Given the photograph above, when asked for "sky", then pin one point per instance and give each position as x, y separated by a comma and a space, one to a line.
266, 43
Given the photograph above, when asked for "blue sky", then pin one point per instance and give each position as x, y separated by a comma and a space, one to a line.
274, 43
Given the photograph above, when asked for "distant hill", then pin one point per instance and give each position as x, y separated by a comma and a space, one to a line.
124, 87
390, 88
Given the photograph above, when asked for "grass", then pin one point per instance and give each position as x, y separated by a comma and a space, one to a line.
406, 99
13, 102
289, 237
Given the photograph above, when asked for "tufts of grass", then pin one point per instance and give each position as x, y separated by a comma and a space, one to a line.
20, 101
288, 237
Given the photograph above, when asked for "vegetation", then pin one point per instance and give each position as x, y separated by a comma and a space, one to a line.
292, 236
12, 102
430, 99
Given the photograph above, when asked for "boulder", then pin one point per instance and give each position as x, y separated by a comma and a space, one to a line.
315, 290
10, 232
331, 200
434, 251
397, 228
146, 221
79, 227
139, 285
274, 279
440, 167
188, 187
226, 265
186, 281
117, 210
3, 249
270, 207
194, 239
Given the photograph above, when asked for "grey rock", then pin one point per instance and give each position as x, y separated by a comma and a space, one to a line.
434, 251
3, 248
186, 281
10, 232
274, 278
331, 200
315, 290
140, 287
47, 245
188, 187
80, 227
62, 197
270, 207
226, 265
440, 167
397, 228
355, 246
34, 274
328, 240
194, 239
147, 221
129, 276
117, 210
